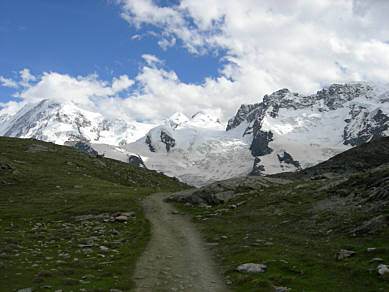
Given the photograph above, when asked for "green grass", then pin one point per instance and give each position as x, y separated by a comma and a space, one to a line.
284, 228
40, 237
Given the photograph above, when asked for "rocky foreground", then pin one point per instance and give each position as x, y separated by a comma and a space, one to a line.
295, 231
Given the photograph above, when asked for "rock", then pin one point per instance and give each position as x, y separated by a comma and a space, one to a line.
372, 226
121, 218
343, 253
382, 269
115, 290
136, 160
370, 249
376, 260
280, 289
84, 245
25, 290
88, 277
85, 146
251, 268
103, 248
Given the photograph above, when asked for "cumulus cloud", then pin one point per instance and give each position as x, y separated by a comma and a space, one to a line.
300, 44
7, 82
63, 87
151, 60
263, 45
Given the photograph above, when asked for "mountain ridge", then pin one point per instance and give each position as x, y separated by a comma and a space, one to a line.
286, 131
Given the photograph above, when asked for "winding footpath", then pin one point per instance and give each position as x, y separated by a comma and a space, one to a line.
176, 258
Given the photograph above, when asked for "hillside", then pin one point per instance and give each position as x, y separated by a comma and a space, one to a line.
313, 230
59, 225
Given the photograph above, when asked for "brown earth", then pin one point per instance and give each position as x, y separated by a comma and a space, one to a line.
176, 258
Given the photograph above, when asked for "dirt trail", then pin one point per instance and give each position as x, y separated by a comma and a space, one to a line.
176, 258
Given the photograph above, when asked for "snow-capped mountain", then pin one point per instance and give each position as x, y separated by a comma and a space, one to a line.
60, 123
285, 131
288, 130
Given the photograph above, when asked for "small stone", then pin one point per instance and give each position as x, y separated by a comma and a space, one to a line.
376, 260
121, 218
370, 249
25, 290
115, 290
281, 289
88, 277
382, 269
252, 268
103, 248
343, 253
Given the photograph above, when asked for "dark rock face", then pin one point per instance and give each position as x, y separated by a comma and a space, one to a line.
241, 115
170, 142
149, 143
372, 130
258, 168
85, 147
260, 144
254, 115
136, 160
288, 159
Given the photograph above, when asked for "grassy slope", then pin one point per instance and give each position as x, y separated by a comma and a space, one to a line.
296, 230
39, 235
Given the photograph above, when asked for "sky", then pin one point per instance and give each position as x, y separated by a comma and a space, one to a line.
147, 59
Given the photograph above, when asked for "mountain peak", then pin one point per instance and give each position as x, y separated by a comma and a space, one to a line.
177, 119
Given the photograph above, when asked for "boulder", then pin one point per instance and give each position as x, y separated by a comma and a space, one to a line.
382, 269
252, 268
344, 253
121, 218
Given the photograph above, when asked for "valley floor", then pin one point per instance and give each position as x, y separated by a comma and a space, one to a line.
176, 258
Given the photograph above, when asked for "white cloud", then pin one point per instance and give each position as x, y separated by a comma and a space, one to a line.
83, 90
26, 77
266, 45
6, 82
151, 60
272, 44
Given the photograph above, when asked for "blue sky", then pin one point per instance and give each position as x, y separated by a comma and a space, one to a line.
82, 37
147, 59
